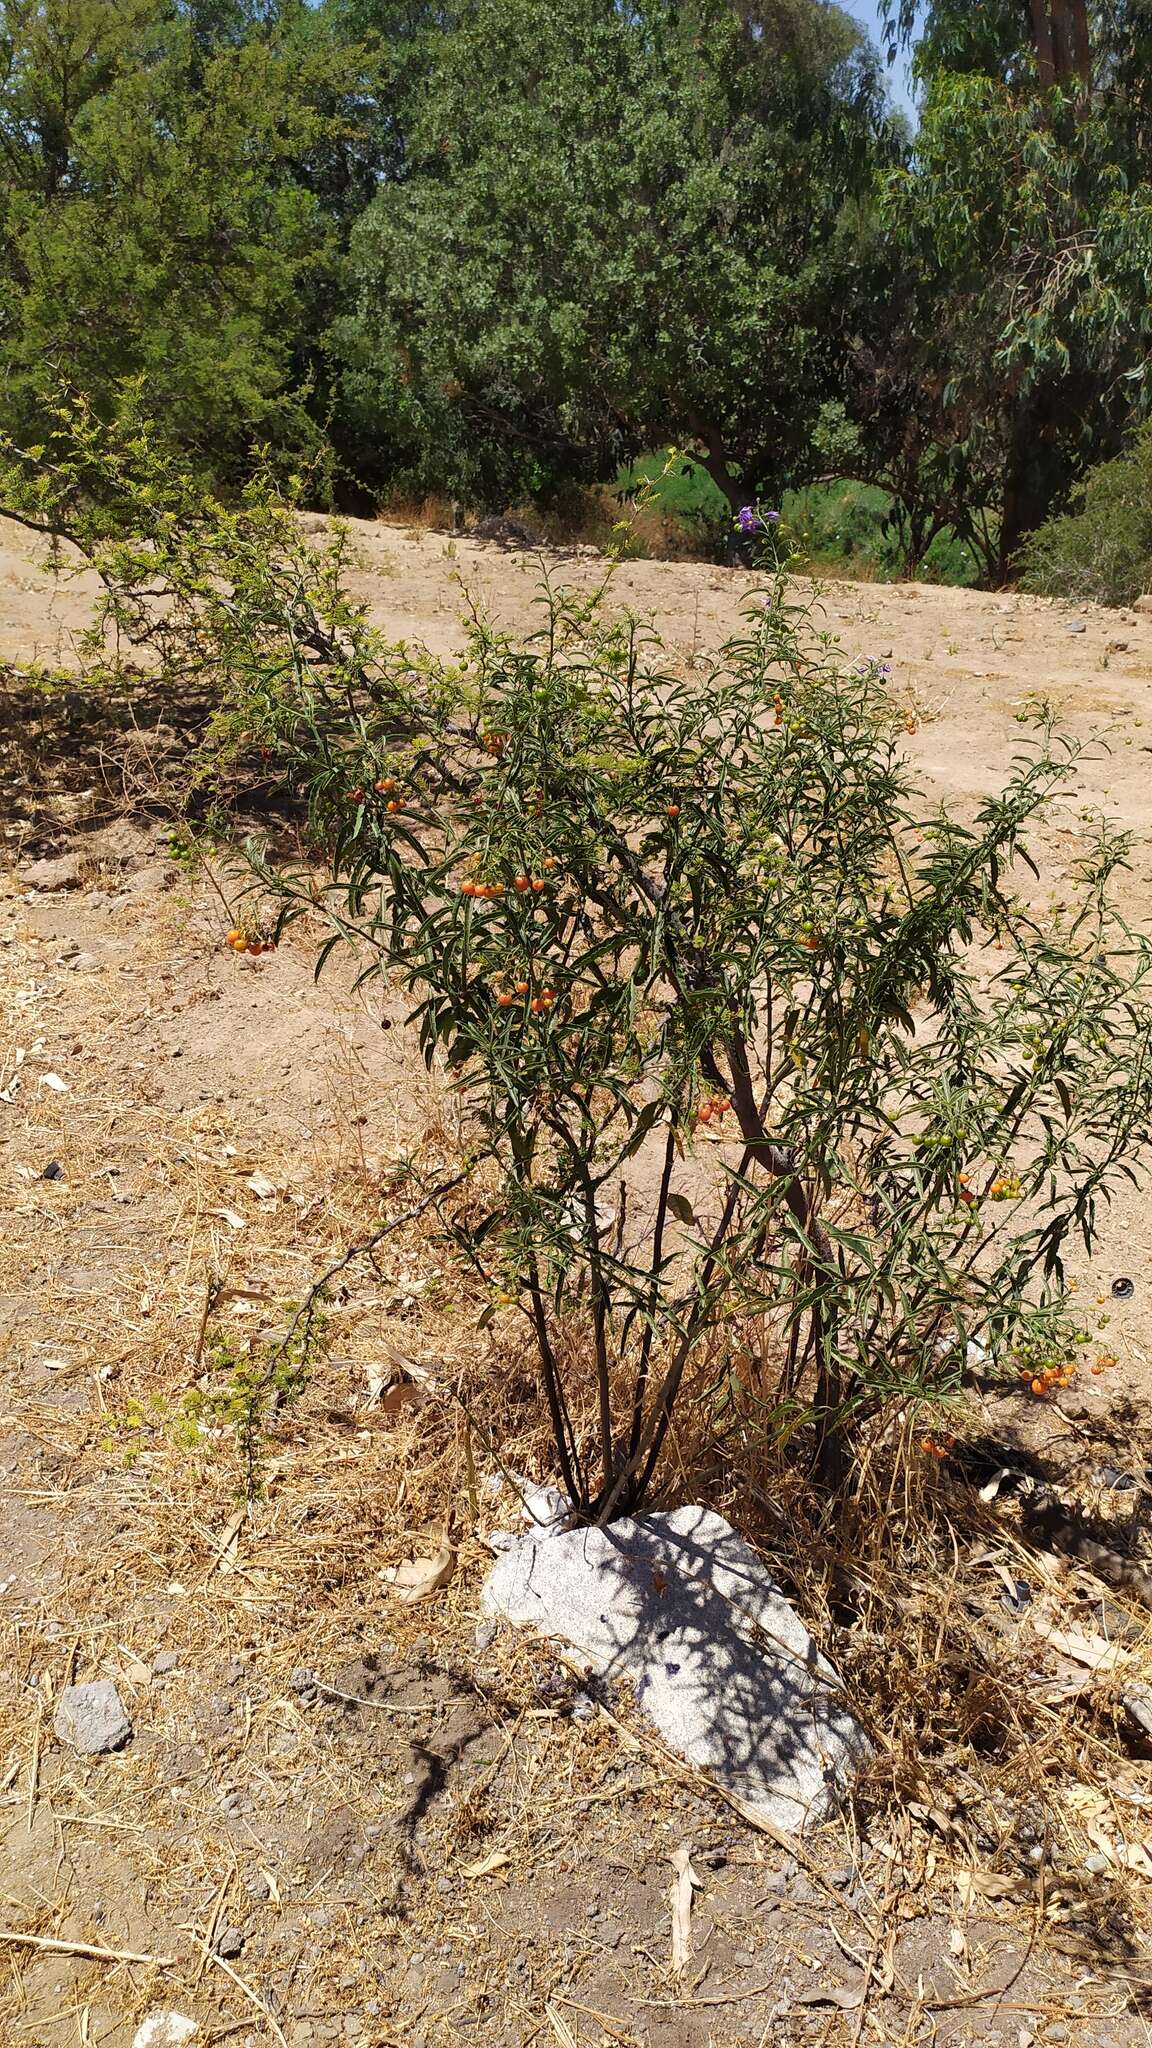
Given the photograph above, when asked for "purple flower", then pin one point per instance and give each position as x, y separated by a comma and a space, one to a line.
771, 517
748, 520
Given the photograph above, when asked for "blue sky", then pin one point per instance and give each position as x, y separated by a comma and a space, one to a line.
868, 12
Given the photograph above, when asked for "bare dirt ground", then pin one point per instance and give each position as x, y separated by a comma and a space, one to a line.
341, 1819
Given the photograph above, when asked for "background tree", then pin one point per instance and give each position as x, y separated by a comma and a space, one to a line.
1020, 242
176, 177
615, 228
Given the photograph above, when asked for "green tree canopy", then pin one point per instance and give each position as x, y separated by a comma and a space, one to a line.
615, 228
174, 175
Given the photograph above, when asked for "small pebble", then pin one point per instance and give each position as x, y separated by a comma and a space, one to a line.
1097, 1865
164, 1660
744, 1959
485, 1634
303, 1682
229, 1943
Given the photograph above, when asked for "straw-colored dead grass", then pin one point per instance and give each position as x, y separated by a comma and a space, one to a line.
1000, 1767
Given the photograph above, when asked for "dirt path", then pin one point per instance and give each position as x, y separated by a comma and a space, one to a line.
440, 1841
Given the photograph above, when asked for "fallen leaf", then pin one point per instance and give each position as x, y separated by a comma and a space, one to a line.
974, 1885
681, 1900
957, 1943
1093, 1651
228, 1541
560, 2027
54, 1082
848, 1997
273, 1887
423, 1576
405, 1394
261, 1185
496, 1859
991, 1489
230, 1217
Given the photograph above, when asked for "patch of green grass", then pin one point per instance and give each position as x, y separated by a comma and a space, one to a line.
687, 492
846, 529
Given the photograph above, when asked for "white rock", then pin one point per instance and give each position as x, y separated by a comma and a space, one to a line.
1143, 604
681, 1607
165, 2030
91, 1718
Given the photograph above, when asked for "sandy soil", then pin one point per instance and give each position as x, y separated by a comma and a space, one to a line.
431, 1847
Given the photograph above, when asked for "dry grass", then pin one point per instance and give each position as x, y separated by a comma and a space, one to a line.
1000, 1765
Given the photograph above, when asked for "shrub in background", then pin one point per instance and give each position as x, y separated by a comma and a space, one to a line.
1102, 549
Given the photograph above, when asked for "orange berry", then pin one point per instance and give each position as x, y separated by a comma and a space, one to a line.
673, 810
521, 988
394, 806
704, 1115
469, 889
550, 863
505, 1000
1097, 1370
537, 885
387, 783
234, 934
536, 1006
548, 995
1038, 1387
520, 884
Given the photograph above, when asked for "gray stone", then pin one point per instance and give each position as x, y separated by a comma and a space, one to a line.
164, 1661
679, 1605
165, 2030
485, 1634
61, 873
91, 1718
1077, 626
229, 1943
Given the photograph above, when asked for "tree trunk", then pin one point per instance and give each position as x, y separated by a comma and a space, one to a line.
1063, 44
1025, 497
1045, 54
715, 461
1081, 40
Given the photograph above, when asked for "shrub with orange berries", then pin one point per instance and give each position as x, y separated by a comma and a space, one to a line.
631, 898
